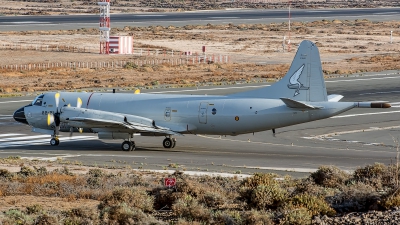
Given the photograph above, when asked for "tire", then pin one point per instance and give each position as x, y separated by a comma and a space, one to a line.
54, 142
126, 146
167, 143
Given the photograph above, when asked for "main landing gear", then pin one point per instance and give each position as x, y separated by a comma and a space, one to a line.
128, 146
169, 142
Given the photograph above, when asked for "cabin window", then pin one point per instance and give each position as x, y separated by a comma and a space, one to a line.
38, 100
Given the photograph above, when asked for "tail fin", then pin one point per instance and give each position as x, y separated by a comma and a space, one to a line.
303, 82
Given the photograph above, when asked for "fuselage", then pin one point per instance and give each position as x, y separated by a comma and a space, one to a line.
196, 114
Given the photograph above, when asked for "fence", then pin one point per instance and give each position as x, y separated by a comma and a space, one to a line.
116, 64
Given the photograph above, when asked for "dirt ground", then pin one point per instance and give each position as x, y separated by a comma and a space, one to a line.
255, 53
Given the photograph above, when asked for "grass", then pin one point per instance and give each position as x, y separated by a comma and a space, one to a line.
140, 197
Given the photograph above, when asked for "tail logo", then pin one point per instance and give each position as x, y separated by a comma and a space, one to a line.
294, 82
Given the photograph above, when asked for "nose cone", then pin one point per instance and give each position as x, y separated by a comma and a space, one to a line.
19, 116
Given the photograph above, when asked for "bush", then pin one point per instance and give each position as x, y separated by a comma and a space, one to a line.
377, 175
391, 199
81, 216
293, 215
133, 197
26, 171
257, 218
123, 214
329, 176
15, 216
6, 174
213, 199
355, 198
189, 208
34, 209
165, 198
315, 205
268, 196
259, 179
45, 219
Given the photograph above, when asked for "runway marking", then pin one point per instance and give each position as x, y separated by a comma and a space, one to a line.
7, 135
380, 92
374, 78
209, 89
292, 145
150, 15
363, 114
17, 101
222, 17
27, 140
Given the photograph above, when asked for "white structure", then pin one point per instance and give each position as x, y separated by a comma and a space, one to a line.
121, 45
104, 26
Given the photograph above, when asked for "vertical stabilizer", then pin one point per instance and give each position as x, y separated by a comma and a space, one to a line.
303, 82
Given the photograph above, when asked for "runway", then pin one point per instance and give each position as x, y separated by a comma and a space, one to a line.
350, 140
235, 16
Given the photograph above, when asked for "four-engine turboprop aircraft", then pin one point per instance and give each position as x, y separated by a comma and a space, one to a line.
298, 97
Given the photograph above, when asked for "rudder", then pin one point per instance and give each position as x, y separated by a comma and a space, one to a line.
303, 82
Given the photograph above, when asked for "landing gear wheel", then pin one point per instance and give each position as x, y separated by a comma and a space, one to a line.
126, 146
54, 142
133, 146
167, 143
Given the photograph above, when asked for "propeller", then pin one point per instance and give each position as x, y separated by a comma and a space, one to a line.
55, 117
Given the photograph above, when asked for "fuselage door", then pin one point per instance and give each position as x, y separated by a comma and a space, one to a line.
203, 112
167, 114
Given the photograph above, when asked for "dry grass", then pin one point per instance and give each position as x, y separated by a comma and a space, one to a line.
38, 194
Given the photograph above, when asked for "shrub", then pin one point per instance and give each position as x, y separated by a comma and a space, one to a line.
165, 198
293, 215
34, 209
227, 217
391, 199
81, 216
15, 216
377, 175
6, 174
26, 171
45, 219
268, 196
189, 208
259, 179
257, 218
213, 199
329, 176
355, 198
315, 205
133, 197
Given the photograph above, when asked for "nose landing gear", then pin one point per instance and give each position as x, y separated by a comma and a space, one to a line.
54, 141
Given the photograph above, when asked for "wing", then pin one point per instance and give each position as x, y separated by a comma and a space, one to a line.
90, 118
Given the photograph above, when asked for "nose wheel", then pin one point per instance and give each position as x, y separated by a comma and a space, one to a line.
54, 141
128, 146
169, 142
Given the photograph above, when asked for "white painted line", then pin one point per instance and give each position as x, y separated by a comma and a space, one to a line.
24, 138
221, 17
150, 15
17, 101
44, 141
7, 135
364, 114
210, 89
374, 78
380, 92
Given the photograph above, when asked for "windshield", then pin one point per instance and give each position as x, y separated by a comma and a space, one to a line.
38, 100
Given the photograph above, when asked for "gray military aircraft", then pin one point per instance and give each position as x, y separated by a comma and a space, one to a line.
298, 97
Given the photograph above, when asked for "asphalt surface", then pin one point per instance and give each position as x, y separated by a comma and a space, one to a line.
358, 137
235, 16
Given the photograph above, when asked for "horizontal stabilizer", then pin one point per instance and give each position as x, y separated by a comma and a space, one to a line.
298, 105
334, 98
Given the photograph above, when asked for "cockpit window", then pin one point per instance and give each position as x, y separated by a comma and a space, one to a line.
38, 100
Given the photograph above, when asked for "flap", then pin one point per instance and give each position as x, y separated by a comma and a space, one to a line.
298, 105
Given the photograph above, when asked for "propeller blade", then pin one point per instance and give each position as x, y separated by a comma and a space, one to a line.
57, 97
50, 119
78, 102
